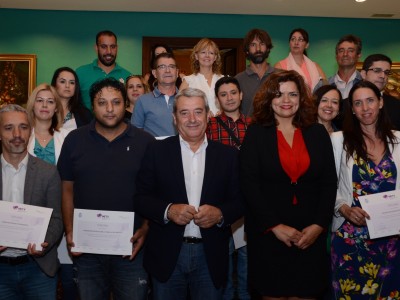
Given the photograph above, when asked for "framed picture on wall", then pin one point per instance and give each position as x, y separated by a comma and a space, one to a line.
17, 77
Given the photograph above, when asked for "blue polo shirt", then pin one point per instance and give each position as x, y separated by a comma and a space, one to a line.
103, 172
89, 74
154, 114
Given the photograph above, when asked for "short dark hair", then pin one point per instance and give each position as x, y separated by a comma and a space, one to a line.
351, 38
106, 82
162, 55
105, 32
369, 61
260, 34
302, 31
226, 80
153, 52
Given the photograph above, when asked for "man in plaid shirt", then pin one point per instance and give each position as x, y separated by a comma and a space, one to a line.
229, 128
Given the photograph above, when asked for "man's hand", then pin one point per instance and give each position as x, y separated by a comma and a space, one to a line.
32, 249
138, 239
71, 244
287, 234
2, 248
181, 214
310, 234
207, 216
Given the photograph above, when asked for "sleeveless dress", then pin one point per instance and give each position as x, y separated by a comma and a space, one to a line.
363, 268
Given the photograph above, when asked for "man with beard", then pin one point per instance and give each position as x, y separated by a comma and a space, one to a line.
103, 66
28, 273
98, 166
257, 45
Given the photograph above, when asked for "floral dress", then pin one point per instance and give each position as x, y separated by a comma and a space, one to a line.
364, 268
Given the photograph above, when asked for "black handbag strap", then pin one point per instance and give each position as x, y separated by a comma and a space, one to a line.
229, 131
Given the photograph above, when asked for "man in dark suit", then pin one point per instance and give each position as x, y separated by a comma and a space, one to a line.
189, 189
28, 273
377, 69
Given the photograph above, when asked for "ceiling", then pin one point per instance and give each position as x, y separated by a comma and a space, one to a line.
309, 8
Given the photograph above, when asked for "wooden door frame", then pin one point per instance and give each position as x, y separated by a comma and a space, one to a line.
187, 43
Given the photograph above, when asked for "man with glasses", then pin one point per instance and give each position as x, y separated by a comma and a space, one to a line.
348, 51
153, 111
103, 66
377, 69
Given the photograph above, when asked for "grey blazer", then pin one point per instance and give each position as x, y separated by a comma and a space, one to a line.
43, 188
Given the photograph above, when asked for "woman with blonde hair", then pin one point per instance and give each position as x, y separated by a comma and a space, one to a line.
206, 67
46, 114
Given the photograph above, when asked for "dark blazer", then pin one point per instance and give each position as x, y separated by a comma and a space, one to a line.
269, 193
392, 106
161, 182
43, 188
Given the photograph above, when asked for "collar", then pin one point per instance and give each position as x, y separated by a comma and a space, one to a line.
185, 144
250, 71
128, 130
156, 92
241, 118
95, 65
22, 163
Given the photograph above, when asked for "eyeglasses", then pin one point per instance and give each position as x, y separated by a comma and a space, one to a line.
164, 67
379, 71
300, 40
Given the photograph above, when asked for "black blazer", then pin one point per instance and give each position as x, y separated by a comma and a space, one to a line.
161, 182
268, 190
392, 107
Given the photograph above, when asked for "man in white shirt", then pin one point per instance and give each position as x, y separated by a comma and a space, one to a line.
28, 273
188, 187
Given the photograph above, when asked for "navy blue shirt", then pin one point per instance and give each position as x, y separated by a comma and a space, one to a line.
103, 172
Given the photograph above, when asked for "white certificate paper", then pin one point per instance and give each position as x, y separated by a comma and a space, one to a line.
384, 211
103, 232
21, 224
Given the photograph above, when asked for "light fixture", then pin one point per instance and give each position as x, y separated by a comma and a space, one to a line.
361, 0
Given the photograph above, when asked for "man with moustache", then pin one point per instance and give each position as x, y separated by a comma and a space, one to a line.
257, 45
188, 187
98, 166
28, 273
103, 66
153, 111
377, 69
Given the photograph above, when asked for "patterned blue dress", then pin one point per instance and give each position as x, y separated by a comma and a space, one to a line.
363, 268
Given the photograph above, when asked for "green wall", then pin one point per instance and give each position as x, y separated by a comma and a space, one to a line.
67, 37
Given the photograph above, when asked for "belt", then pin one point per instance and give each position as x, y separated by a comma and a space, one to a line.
192, 240
18, 260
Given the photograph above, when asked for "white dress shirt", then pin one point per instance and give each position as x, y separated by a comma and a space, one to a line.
193, 169
13, 191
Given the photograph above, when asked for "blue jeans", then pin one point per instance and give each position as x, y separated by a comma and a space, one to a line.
69, 288
98, 275
242, 287
26, 282
191, 272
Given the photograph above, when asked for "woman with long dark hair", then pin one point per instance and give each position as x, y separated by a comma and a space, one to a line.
67, 85
367, 155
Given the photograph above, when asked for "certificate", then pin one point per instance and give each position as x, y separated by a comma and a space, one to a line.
103, 232
384, 211
21, 224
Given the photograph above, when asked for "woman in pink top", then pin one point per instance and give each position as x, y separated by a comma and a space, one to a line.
298, 60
